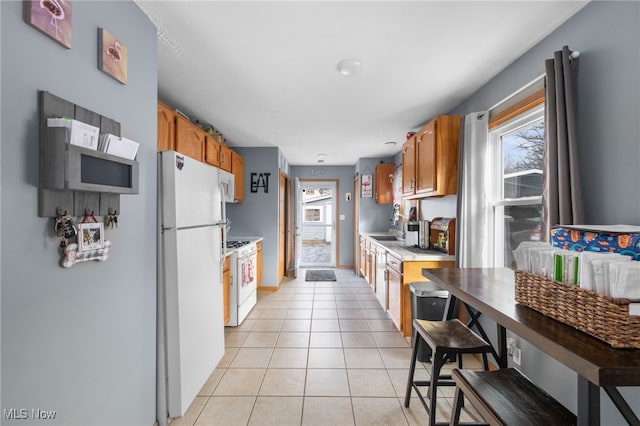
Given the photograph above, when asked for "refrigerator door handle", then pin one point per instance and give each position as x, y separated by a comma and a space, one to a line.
223, 209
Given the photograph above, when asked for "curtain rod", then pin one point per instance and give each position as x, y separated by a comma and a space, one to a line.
574, 55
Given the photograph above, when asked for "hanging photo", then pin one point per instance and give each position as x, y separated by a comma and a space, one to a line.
51, 17
112, 56
367, 186
90, 236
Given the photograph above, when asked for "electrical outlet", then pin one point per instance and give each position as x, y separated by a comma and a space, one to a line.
510, 345
517, 353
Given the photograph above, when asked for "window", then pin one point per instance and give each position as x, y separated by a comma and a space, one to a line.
516, 152
312, 214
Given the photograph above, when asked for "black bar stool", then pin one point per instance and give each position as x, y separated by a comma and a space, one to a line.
444, 338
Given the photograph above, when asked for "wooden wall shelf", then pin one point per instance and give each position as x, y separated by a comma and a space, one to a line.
75, 179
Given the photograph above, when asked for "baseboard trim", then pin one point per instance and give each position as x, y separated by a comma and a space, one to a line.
269, 288
344, 267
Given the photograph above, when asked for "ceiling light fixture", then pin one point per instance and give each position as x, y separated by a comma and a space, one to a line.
349, 67
391, 143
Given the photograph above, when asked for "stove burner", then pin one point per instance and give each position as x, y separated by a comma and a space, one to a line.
237, 243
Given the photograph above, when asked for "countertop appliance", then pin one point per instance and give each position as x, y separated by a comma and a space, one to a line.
190, 256
243, 294
442, 236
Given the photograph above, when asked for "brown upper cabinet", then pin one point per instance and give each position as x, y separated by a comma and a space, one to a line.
225, 158
430, 159
409, 166
176, 133
384, 183
237, 169
190, 139
166, 128
212, 150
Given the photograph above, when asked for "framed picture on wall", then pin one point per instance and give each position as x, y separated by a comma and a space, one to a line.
51, 17
90, 236
112, 56
367, 186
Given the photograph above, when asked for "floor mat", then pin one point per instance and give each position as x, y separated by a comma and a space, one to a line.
320, 275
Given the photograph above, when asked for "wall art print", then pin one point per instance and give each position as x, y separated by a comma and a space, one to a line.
367, 186
51, 17
112, 56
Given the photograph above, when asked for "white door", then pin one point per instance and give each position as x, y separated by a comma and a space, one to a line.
318, 223
297, 225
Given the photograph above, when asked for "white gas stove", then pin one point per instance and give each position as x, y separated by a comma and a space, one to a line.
243, 292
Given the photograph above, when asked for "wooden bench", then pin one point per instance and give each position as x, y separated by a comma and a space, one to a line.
507, 397
445, 338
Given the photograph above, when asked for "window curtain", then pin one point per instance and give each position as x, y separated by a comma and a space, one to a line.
561, 196
473, 219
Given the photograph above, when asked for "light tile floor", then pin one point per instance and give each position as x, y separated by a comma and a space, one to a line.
316, 353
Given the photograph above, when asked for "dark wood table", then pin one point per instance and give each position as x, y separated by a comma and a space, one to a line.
490, 292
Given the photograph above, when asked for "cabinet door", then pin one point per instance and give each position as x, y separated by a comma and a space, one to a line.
426, 159
408, 166
395, 296
237, 168
372, 264
366, 262
363, 255
448, 133
166, 128
190, 139
384, 183
225, 157
259, 263
226, 285
212, 151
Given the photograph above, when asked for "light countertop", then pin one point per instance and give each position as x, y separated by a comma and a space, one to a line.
407, 253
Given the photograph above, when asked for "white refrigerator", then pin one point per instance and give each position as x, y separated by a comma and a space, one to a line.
190, 254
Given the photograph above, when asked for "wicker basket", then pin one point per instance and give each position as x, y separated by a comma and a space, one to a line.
603, 317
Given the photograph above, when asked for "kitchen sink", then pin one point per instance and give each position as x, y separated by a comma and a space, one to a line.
384, 237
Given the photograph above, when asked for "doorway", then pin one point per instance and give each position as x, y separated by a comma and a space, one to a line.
317, 219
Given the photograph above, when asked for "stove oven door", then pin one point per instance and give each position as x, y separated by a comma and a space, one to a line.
247, 273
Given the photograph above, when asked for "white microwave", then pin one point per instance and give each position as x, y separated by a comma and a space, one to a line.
227, 181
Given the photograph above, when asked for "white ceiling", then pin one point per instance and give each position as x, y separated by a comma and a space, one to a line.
264, 73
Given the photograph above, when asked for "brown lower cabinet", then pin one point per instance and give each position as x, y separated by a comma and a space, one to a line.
226, 286
363, 256
394, 288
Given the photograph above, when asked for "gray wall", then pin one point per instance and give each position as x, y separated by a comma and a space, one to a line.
344, 175
80, 341
608, 36
257, 216
373, 217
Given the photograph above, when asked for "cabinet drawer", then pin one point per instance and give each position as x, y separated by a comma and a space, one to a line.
394, 263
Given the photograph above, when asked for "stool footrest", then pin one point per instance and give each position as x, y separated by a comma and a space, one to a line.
441, 382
